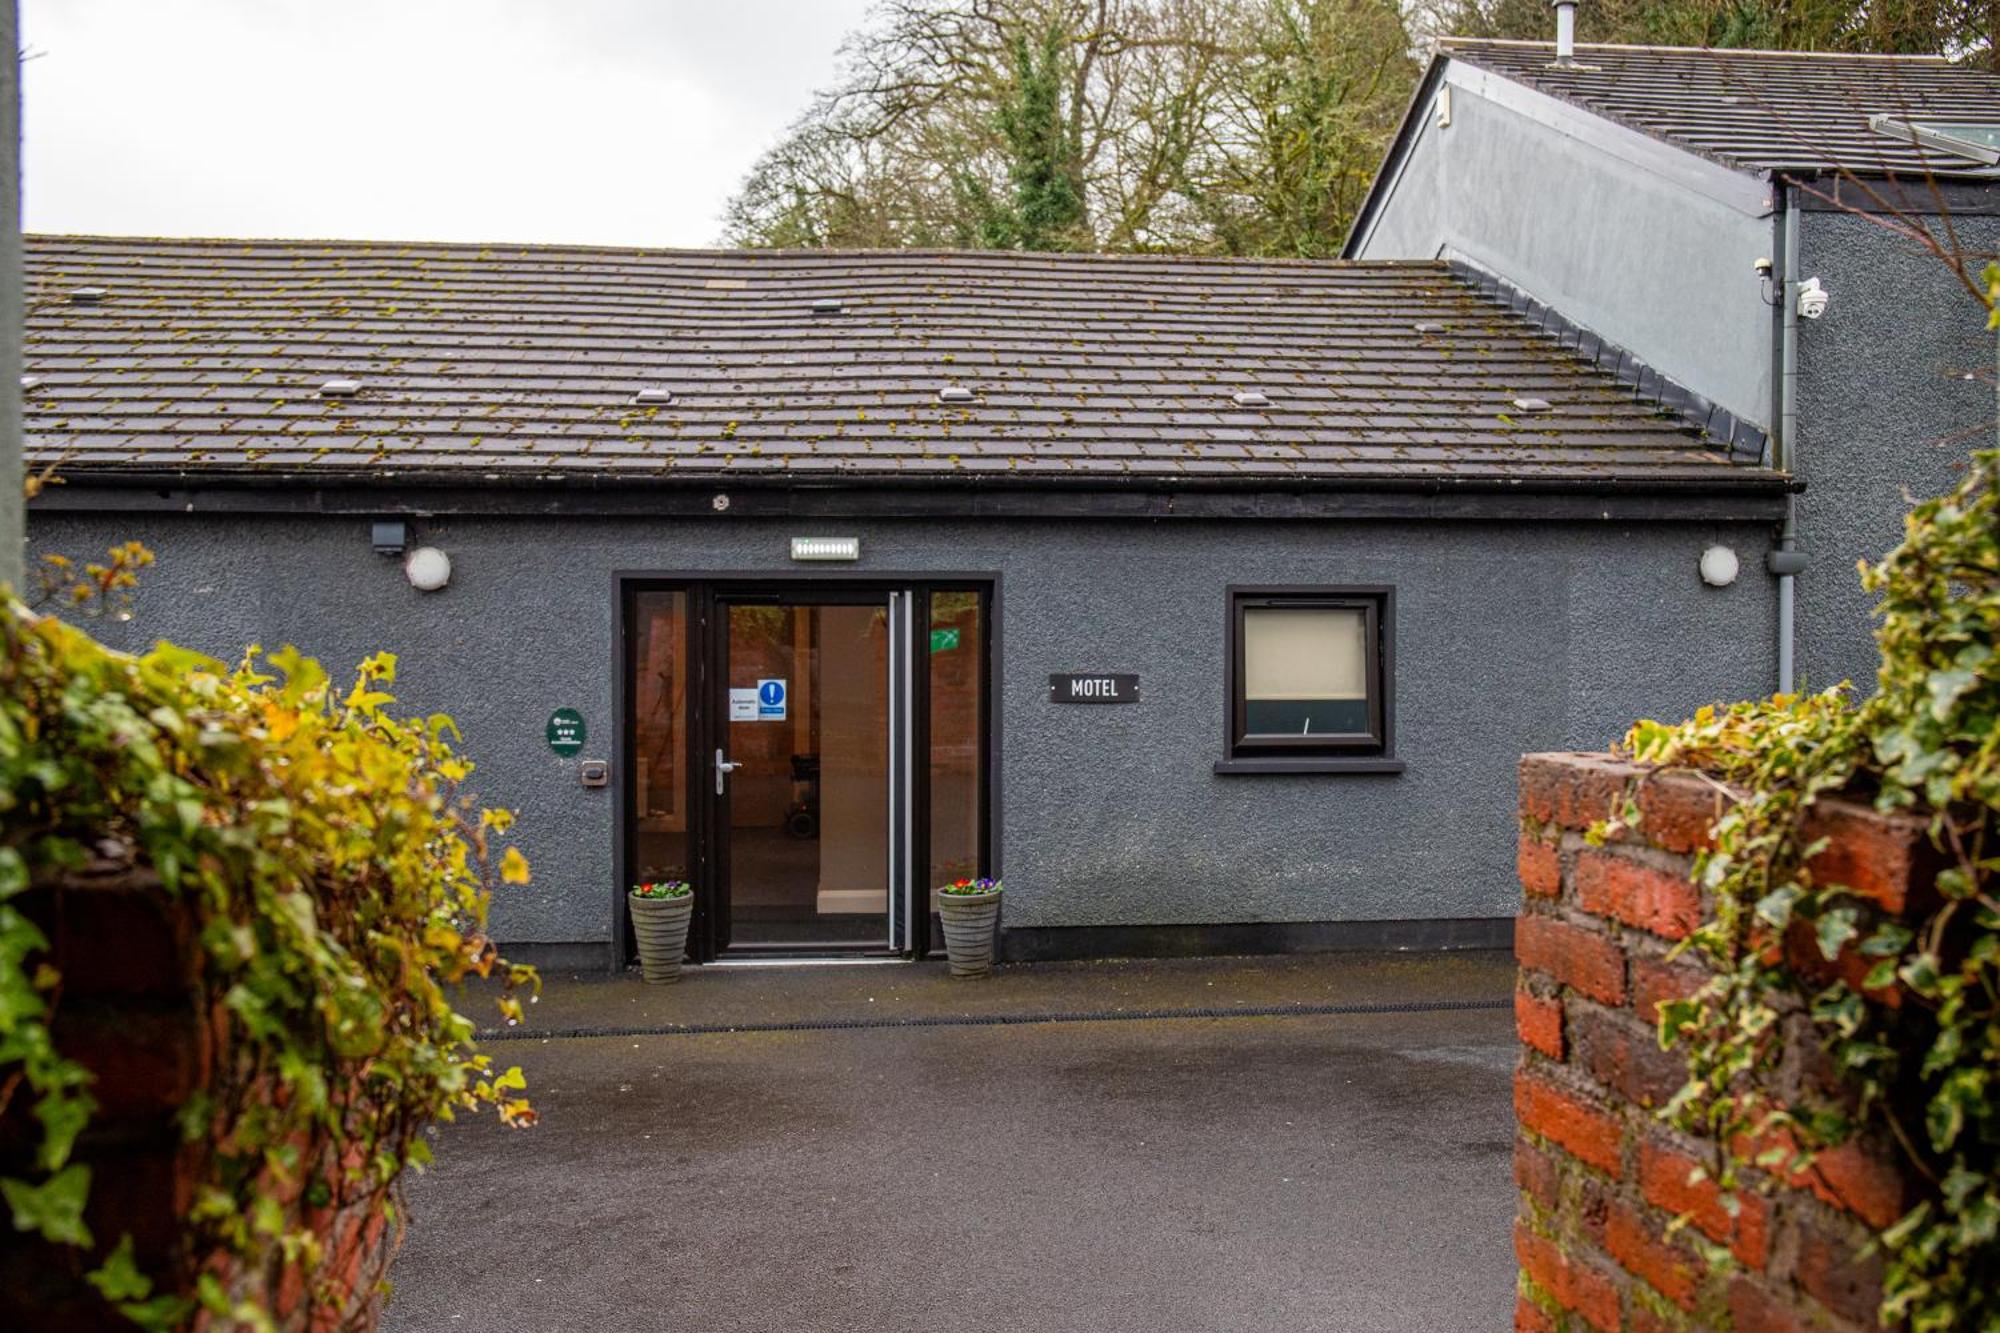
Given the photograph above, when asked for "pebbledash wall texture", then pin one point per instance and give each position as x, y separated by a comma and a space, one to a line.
1509, 637
1895, 391
1601, 1176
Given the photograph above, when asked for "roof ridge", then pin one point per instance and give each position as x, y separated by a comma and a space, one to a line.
1725, 52
392, 244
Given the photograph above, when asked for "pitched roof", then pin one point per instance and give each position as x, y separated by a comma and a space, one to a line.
491, 363
1759, 111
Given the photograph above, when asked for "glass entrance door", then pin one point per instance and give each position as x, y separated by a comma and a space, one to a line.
803, 769
812, 756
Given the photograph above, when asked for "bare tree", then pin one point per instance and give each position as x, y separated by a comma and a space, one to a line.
1200, 125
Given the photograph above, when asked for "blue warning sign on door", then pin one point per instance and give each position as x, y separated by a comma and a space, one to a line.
770, 700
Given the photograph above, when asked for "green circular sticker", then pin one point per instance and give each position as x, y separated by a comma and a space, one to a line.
566, 731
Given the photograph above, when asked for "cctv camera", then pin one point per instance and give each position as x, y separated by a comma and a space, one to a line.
1813, 299
1763, 267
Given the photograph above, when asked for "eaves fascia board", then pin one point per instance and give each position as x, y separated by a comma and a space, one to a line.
80, 482
1747, 193
1743, 495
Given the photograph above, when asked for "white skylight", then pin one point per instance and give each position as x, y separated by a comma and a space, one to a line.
1978, 140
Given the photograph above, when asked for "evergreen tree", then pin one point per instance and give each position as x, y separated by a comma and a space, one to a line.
1043, 159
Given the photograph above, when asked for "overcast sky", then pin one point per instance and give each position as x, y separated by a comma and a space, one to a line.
625, 122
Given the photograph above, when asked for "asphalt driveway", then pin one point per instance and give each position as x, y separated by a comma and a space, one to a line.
1335, 1169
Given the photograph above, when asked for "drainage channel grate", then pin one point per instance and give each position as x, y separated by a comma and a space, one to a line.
992, 1020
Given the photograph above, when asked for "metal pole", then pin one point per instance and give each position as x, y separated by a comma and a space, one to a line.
13, 517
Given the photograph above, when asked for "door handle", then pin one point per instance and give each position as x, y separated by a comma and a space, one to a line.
723, 768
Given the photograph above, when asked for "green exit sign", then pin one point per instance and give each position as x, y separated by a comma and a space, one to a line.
944, 640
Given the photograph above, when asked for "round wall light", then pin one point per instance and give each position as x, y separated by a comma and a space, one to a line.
429, 569
1719, 566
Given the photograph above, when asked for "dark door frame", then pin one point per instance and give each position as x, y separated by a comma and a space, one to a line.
703, 590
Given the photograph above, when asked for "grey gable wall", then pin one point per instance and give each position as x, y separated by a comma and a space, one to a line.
1895, 391
1509, 638
1599, 223
1664, 270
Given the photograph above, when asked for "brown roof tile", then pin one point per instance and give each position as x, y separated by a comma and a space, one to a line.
1759, 110
207, 357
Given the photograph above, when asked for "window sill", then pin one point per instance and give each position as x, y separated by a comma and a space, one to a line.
1321, 764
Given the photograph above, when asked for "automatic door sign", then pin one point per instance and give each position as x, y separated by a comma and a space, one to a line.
566, 731
771, 701
743, 704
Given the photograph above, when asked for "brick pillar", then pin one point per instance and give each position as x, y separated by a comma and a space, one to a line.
1601, 1176
126, 1011
133, 1011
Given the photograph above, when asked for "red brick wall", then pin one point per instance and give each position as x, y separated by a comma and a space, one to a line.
130, 1009
1601, 1177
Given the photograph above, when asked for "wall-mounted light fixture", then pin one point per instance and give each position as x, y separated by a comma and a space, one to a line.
427, 569
826, 548
389, 538
1719, 566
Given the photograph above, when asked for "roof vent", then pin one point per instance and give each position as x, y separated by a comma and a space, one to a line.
1428, 328
957, 393
1533, 405
827, 305
30, 383
1565, 32
1251, 398
340, 388
652, 396
88, 296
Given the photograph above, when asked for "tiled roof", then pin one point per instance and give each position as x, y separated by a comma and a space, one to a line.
510, 362
1758, 110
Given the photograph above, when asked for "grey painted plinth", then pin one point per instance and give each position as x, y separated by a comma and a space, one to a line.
971, 921
660, 926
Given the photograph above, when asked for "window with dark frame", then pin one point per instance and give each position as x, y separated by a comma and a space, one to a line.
1309, 676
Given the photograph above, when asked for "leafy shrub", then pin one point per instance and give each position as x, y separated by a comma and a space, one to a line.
338, 883
1915, 1042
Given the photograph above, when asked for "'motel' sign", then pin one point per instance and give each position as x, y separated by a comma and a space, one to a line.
1084, 687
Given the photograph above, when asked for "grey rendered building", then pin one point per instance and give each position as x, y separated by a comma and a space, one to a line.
1209, 602
1629, 195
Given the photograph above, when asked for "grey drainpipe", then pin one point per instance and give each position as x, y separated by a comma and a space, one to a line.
1787, 560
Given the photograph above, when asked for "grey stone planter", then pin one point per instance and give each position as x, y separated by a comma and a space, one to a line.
971, 923
660, 925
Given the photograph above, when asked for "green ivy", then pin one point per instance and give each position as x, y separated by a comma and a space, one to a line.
1922, 1072
338, 881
